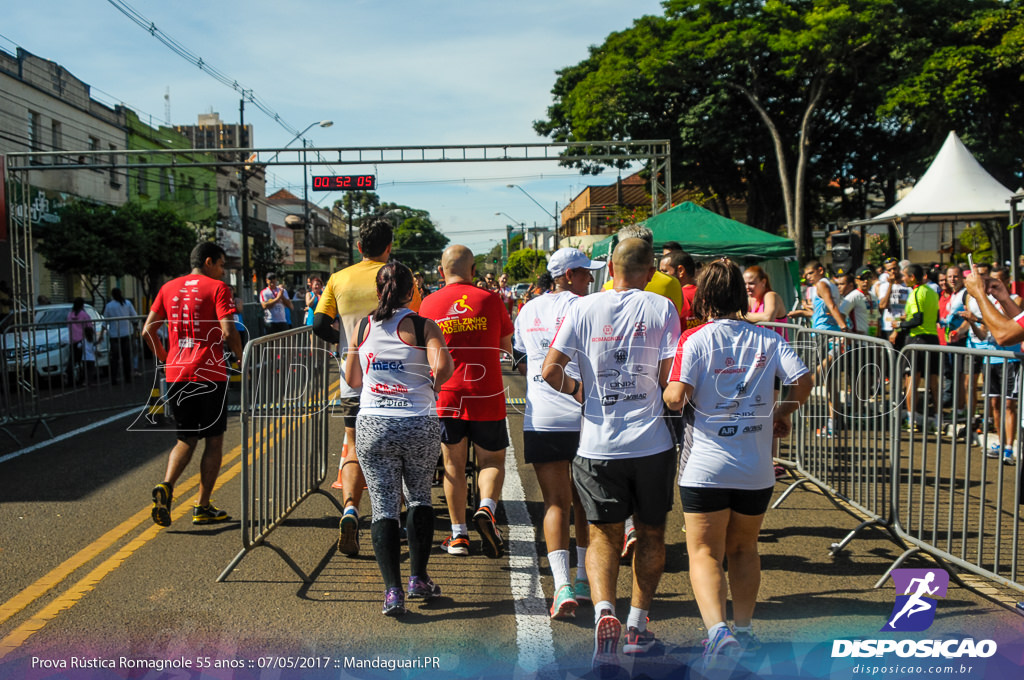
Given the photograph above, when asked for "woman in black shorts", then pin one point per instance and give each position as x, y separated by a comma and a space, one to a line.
724, 374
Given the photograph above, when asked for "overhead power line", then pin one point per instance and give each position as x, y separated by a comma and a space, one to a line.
193, 58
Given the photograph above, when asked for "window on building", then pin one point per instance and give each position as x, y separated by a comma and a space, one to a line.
170, 183
163, 185
94, 145
143, 184
35, 143
56, 140
114, 181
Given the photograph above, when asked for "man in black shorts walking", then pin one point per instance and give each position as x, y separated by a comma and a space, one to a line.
199, 309
623, 341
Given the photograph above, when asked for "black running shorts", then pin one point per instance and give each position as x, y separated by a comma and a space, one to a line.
491, 435
704, 499
348, 408
549, 447
613, 490
199, 408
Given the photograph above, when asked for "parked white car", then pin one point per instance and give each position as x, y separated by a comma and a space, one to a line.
520, 289
46, 343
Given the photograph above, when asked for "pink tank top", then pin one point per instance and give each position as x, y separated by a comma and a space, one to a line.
759, 307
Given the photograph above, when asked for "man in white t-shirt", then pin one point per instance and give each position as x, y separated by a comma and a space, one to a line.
623, 341
275, 302
892, 297
551, 424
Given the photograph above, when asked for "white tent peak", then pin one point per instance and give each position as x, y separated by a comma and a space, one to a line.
955, 184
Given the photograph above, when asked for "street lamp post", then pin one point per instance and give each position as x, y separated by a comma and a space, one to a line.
307, 235
553, 218
508, 228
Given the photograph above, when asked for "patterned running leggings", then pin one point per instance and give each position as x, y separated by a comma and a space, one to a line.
396, 450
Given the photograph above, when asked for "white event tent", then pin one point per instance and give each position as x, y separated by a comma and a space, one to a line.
954, 192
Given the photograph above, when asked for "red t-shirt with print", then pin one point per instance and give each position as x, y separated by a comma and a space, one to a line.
473, 321
193, 306
686, 316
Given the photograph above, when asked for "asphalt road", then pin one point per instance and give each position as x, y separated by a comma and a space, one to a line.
88, 579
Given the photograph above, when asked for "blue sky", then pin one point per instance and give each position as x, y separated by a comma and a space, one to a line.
387, 73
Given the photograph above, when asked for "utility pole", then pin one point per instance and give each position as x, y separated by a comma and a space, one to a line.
308, 238
350, 201
244, 179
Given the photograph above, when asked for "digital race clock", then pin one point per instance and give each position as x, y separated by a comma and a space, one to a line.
344, 182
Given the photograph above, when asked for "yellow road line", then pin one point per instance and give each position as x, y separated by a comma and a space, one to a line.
66, 568
70, 565
17, 637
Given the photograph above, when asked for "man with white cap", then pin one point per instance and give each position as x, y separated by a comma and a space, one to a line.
551, 424
623, 342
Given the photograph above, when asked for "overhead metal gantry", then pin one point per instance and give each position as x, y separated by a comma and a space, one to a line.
19, 166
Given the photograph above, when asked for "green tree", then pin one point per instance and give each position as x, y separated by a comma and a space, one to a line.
352, 208
88, 241
417, 242
160, 242
526, 264
877, 249
267, 257
97, 241
785, 102
974, 240
971, 83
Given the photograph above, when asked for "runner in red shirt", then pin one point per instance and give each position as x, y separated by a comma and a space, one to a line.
680, 264
471, 405
200, 312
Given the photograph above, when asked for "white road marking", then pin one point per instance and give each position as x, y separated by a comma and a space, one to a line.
533, 625
67, 435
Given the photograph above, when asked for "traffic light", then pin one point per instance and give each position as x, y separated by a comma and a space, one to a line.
495, 260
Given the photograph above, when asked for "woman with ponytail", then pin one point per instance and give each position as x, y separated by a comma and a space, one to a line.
399, 360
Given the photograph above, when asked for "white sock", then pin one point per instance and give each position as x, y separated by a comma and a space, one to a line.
714, 629
460, 530
490, 504
629, 524
743, 629
603, 608
637, 619
559, 562
352, 510
581, 564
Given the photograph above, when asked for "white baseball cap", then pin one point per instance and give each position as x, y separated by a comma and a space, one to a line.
565, 259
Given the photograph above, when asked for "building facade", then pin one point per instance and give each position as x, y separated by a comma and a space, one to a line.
44, 108
210, 132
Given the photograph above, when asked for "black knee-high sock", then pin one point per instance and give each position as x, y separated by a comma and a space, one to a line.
386, 546
420, 529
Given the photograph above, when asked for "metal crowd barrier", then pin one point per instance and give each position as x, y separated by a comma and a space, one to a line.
957, 497
845, 431
46, 376
285, 411
927, 461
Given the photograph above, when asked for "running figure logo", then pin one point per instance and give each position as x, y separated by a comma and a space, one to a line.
914, 610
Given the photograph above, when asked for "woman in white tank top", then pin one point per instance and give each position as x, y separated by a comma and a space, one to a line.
397, 431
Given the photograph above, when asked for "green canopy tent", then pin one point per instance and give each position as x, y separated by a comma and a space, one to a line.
705, 234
